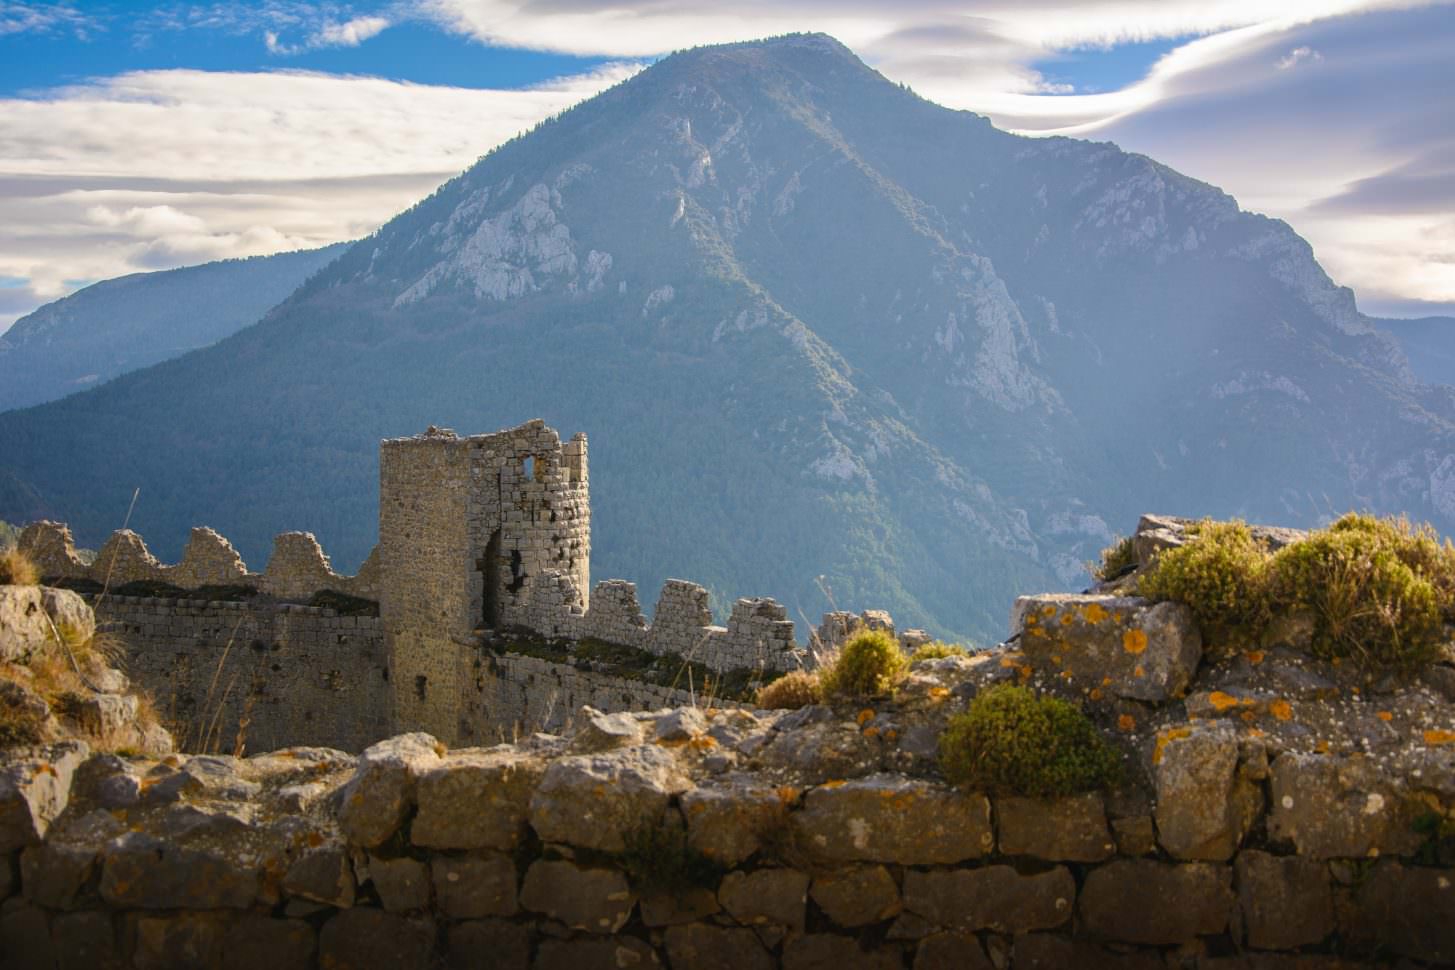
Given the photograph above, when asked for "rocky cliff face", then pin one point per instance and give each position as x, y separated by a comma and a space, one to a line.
798, 307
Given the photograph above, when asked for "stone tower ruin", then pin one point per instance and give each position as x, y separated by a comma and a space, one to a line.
473, 531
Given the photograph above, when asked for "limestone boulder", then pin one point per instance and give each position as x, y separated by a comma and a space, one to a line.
141, 871
276, 944
605, 732
35, 787
616, 953
493, 943
323, 874
777, 896
1122, 645
363, 939
829, 951
1204, 804
382, 791
1332, 806
596, 801
471, 887
476, 799
1407, 910
991, 897
705, 947
24, 623
402, 884
893, 819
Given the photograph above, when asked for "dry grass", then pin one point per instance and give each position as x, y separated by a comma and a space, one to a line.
793, 690
17, 569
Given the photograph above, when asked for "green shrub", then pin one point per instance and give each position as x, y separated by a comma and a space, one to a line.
1011, 741
937, 649
1371, 588
868, 665
793, 690
1117, 560
1417, 546
1220, 575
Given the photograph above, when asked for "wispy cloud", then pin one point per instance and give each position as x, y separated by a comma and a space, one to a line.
1298, 56
350, 33
164, 168
19, 18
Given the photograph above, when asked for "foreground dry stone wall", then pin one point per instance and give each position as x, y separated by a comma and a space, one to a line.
1271, 816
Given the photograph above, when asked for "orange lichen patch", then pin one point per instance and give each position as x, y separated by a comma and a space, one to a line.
1047, 610
1094, 613
1032, 619
1066, 674
703, 743
1281, 709
1095, 694
314, 840
1255, 657
697, 808
1024, 672
867, 714
891, 735
1106, 681
939, 693
1255, 733
871, 732
1008, 662
1055, 658
1435, 737
1134, 640
1222, 701
1321, 746
1139, 671
599, 791
1067, 619
1249, 717
1165, 738
1385, 716
787, 794
834, 783
1126, 723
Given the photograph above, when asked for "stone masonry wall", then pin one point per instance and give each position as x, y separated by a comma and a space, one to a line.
276, 674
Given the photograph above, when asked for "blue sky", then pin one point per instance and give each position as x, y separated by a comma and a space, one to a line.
138, 136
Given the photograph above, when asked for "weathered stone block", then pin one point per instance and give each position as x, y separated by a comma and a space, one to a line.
1070, 829
140, 871
825, 951
600, 732
402, 884
1135, 835
1204, 807
365, 939
1286, 901
857, 896
324, 875
1340, 807
991, 897
704, 947
684, 906
1123, 645
34, 790
617, 953
489, 944
595, 801
951, 951
25, 937
595, 900
274, 944
1050, 951
476, 800
1156, 903
893, 819
727, 820
382, 791
186, 941
765, 896
1406, 910
86, 941
471, 887
54, 874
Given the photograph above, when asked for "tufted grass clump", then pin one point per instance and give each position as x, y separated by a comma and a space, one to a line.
869, 664
937, 650
17, 569
1220, 575
1013, 742
1117, 560
793, 690
1378, 590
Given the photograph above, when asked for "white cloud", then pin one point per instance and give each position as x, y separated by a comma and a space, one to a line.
20, 18
1297, 56
165, 168
350, 33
